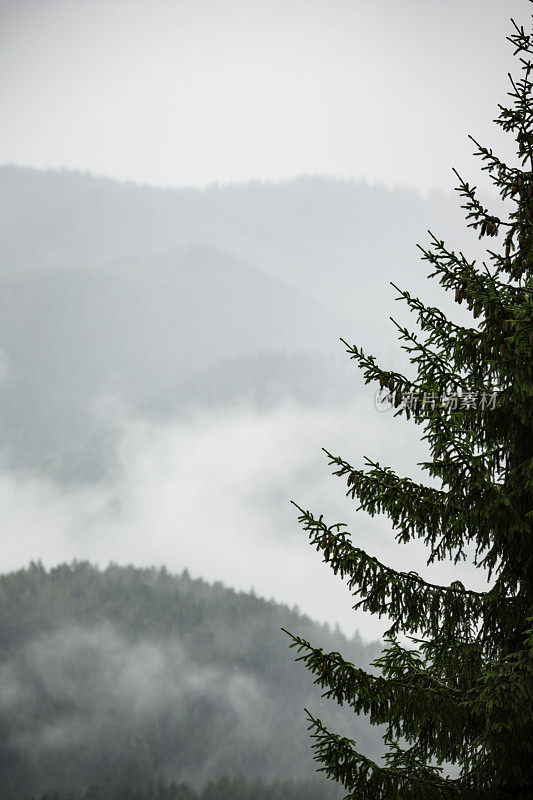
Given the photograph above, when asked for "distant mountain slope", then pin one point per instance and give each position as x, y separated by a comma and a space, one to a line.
126, 674
326, 235
133, 331
261, 380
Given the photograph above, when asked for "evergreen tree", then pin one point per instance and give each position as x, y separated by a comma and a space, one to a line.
457, 687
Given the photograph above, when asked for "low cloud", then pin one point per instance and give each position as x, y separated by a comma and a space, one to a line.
93, 680
211, 493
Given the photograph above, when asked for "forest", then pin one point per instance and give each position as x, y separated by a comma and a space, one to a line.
223, 788
131, 677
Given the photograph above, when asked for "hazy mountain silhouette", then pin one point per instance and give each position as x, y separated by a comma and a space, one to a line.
327, 235
131, 332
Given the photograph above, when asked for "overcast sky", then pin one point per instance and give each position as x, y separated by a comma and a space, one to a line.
191, 92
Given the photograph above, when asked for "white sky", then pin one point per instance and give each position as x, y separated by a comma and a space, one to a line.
191, 92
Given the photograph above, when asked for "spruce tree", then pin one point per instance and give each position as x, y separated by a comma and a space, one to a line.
454, 684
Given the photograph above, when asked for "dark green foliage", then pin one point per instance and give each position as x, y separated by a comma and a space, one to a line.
455, 693
127, 675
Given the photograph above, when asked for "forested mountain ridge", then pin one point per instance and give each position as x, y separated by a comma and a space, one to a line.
129, 675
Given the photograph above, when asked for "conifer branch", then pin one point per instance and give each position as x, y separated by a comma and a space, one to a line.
388, 592
406, 779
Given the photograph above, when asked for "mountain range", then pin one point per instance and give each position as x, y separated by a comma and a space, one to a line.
118, 299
